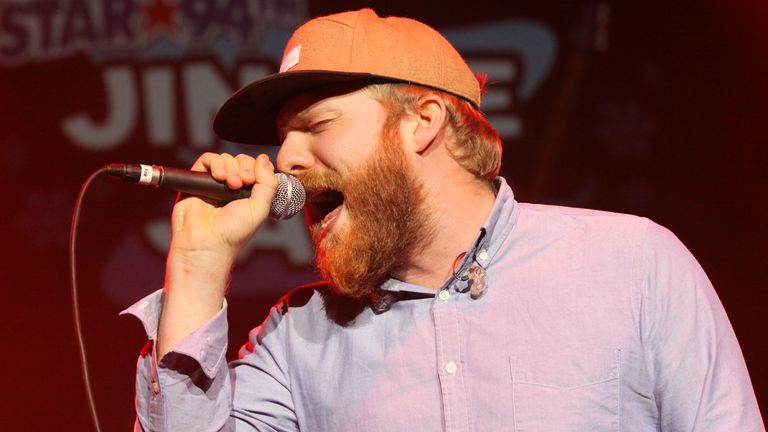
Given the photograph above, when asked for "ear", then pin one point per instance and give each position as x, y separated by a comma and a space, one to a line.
427, 122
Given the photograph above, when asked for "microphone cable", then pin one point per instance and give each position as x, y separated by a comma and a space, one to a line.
75, 298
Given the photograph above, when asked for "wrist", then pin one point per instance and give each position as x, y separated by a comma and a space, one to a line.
201, 269
194, 293
200, 279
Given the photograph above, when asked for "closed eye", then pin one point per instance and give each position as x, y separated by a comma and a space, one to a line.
311, 121
312, 128
320, 126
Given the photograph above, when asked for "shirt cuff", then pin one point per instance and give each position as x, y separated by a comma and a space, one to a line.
207, 345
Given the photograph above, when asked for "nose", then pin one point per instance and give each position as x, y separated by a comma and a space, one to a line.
295, 155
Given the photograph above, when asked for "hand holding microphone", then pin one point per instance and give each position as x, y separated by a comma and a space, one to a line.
225, 179
206, 235
288, 200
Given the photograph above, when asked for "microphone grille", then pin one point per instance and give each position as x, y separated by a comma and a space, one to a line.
289, 199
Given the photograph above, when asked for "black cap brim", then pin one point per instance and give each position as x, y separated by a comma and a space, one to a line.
249, 116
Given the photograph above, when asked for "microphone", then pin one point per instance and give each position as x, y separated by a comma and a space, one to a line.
288, 201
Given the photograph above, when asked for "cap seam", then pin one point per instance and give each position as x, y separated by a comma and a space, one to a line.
337, 22
353, 44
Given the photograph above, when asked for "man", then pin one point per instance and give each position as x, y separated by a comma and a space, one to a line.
445, 304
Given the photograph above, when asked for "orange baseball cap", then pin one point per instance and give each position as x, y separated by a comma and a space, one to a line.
357, 47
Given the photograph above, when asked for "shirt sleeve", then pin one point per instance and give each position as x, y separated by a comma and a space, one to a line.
700, 378
192, 388
189, 388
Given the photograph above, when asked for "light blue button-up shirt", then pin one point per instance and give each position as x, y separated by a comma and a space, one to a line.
572, 320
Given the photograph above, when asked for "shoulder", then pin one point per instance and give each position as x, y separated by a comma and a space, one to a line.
575, 215
584, 227
608, 237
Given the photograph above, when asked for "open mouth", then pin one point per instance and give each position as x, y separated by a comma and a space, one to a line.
323, 206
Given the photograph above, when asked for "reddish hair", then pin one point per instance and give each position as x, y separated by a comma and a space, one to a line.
474, 143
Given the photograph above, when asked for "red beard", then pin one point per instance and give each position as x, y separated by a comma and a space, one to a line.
387, 219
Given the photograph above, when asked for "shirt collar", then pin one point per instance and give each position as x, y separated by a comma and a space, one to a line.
497, 226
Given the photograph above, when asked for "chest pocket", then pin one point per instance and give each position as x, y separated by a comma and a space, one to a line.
566, 390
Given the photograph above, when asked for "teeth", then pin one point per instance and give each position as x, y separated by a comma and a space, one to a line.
330, 217
326, 222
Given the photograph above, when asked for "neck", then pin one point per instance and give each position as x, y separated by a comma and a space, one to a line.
458, 203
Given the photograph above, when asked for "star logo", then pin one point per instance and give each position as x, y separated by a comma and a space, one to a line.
160, 15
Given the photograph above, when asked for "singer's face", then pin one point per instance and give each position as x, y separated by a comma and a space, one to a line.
325, 137
364, 206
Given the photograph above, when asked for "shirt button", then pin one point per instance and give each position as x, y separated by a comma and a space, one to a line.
483, 255
155, 387
451, 367
443, 295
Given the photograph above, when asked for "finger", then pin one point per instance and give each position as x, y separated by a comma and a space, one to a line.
217, 166
232, 167
247, 168
203, 163
265, 188
264, 170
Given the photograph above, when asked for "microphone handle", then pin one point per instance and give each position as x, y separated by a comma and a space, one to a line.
195, 183
288, 201
199, 184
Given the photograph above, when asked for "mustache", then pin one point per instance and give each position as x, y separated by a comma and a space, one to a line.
317, 180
